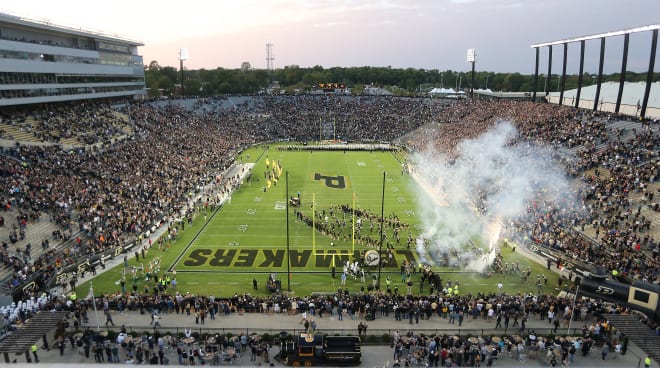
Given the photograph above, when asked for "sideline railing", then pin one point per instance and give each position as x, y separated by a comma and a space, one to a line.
372, 335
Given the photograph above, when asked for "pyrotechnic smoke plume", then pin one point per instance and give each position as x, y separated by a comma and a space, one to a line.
490, 182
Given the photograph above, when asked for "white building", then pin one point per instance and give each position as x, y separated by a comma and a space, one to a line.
631, 99
41, 62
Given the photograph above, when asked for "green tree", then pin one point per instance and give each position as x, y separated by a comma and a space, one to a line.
166, 85
192, 86
407, 81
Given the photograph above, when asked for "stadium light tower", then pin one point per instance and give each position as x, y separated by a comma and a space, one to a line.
472, 58
269, 61
183, 55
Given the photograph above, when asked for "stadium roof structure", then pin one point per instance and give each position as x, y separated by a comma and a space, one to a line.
599, 35
47, 25
642, 103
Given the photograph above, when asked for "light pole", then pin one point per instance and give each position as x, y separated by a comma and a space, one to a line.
559, 83
487, 76
442, 81
545, 83
183, 55
471, 58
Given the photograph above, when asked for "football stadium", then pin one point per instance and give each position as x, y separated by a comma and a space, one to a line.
154, 208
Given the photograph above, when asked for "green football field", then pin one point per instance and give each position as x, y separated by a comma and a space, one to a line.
340, 195
248, 234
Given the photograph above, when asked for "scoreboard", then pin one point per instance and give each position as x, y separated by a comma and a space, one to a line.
330, 87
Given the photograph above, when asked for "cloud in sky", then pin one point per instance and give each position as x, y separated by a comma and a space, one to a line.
430, 34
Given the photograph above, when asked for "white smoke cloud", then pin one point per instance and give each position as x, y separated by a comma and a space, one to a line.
490, 182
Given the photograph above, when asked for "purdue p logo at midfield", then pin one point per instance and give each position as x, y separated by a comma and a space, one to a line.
335, 182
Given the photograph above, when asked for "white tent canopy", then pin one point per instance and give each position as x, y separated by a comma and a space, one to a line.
442, 91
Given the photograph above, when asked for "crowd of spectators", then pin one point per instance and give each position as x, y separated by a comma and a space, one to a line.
353, 118
509, 313
113, 195
410, 306
108, 197
611, 225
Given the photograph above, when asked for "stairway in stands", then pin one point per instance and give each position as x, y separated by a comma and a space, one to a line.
36, 231
639, 333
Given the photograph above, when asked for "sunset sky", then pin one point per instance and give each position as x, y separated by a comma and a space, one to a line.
429, 34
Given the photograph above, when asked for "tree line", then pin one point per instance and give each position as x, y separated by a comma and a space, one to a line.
163, 80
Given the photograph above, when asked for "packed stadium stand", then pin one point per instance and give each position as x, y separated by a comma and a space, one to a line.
614, 156
86, 172
63, 202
